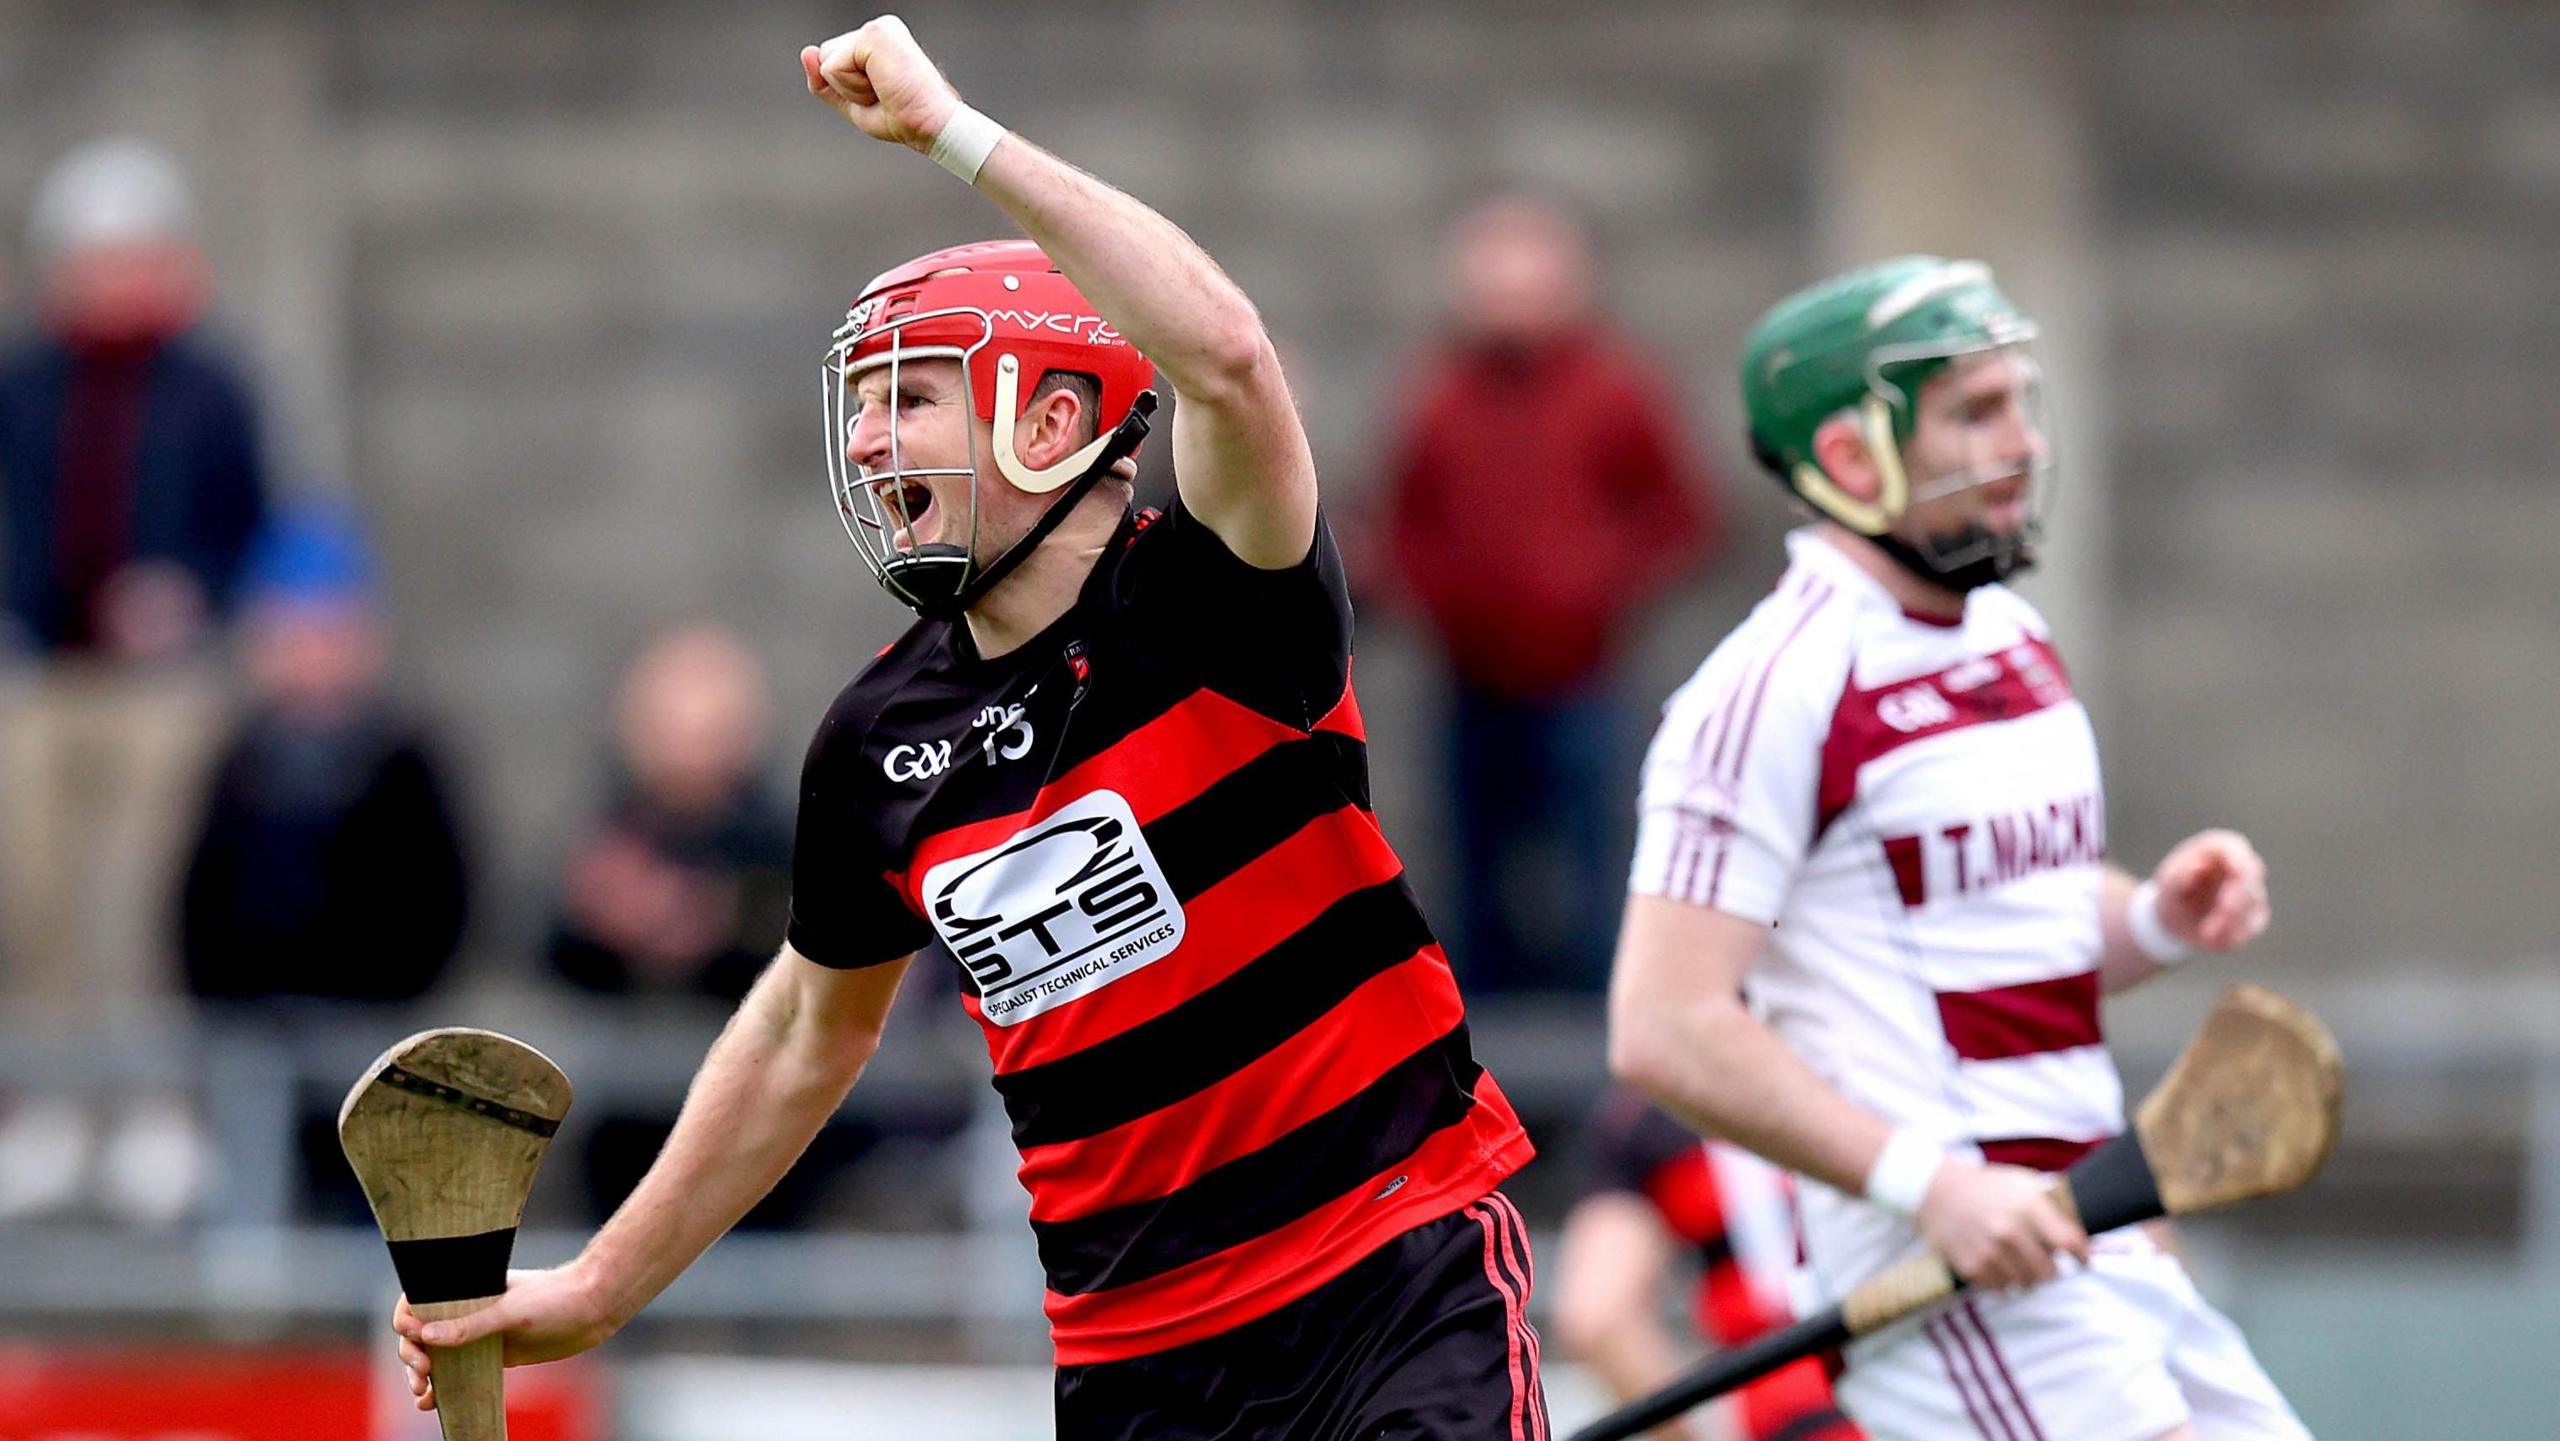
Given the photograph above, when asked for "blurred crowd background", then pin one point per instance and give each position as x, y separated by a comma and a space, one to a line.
419, 581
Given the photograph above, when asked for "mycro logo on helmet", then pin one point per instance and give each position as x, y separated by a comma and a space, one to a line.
1064, 908
1094, 329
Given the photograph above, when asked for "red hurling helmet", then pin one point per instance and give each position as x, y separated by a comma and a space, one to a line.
1003, 310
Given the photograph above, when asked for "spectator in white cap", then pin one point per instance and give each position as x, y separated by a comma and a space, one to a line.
130, 483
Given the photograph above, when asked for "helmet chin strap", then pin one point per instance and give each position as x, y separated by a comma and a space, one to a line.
1999, 556
936, 581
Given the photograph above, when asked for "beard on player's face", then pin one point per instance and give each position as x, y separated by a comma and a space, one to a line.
1974, 457
1966, 505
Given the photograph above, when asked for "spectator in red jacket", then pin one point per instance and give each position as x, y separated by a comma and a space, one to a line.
1543, 494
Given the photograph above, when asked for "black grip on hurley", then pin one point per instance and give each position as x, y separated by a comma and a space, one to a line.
2113, 1185
453, 1268
1721, 1373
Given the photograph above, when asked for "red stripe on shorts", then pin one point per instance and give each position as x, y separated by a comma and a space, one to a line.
1483, 1217
1516, 1246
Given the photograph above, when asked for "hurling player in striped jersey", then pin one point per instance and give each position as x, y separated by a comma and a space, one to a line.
1876, 809
1653, 1195
1115, 777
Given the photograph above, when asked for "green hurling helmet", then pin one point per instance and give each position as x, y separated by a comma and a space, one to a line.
1865, 341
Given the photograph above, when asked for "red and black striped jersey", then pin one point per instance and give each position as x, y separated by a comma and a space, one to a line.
1638, 1149
1233, 1055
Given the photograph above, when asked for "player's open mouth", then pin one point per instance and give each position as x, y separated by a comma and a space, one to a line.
906, 501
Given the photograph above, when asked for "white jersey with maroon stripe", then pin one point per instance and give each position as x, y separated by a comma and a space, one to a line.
1915, 806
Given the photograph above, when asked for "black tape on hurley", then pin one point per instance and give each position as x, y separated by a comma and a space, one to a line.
453, 1268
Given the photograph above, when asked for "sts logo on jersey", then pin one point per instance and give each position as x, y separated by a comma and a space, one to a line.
1067, 906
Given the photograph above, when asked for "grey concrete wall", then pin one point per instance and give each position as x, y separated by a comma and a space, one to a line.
2330, 235
547, 286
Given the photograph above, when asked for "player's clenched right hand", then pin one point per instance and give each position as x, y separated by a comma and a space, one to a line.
545, 1314
879, 78
1998, 1225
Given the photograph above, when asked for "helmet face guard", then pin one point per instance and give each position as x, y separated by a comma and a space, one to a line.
2011, 444
874, 505
1009, 319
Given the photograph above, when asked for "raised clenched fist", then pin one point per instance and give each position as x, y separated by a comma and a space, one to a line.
879, 78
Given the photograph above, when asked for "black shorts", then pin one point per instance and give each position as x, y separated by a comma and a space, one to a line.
1426, 1337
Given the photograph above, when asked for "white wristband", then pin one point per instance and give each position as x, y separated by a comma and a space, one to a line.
967, 139
2150, 934
1899, 1180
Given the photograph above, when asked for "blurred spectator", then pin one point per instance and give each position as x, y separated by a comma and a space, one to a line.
328, 862
681, 884
1542, 496
130, 483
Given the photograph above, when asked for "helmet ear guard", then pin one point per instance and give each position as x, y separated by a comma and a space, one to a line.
1009, 463
1893, 486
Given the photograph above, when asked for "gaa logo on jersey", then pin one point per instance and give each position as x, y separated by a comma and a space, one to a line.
1066, 906
1915, 708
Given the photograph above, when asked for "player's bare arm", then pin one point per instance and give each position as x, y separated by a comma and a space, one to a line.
779, 1069
1678, 1030
2209, 893
1240, 456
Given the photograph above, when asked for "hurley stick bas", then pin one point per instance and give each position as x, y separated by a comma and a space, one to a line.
444, 1132
2249, 1109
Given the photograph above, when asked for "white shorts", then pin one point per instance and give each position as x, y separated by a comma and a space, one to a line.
2122, 1351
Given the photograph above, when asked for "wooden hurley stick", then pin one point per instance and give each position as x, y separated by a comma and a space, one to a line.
2249, 1109
444, 1132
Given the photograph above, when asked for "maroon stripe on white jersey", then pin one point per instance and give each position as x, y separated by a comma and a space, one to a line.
2022, 1020
1715, 878
1692, 850
1910, 878
1732, 722
1729, 775
1806, 594
1869, 724
2036, 1153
